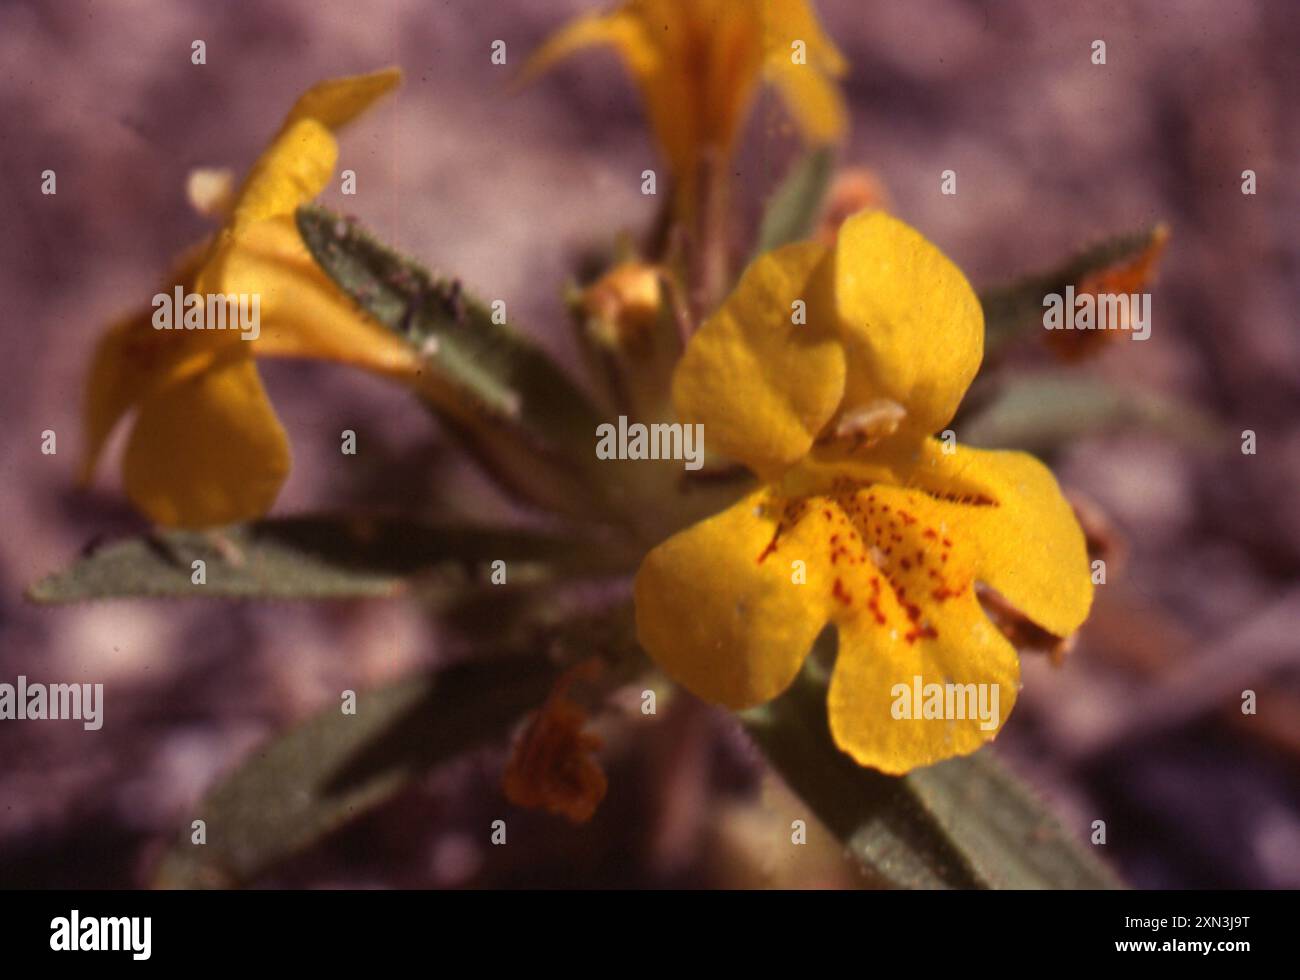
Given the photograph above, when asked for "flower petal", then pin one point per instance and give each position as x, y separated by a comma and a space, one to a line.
796, 20
875, 678
126, 360
622, 29
1029, 544
814, 100
648, 38
303, 313
290, 172
762, 385
898, 579
298, 163
335, 102
721, 615
208, 450
913, 327
132, 359
881, 563
698, 64
808, 87
893, 567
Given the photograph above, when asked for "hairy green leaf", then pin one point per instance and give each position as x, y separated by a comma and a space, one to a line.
1040, 413
334, 768
964, 823
520, 416
486, 367
309, 782
312, 558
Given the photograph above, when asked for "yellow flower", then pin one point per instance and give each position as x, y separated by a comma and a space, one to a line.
623, 304
826, 371
206, 447
699, 63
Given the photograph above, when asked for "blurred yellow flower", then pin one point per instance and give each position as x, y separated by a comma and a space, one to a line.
698, 64
206, 447
826, 371
623, 304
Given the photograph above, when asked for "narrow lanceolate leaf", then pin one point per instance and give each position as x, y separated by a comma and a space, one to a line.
517, 412
311, 558
1007, 836
485, 364
1042, 412
301, 786
965, 823
1016, 310
793, 208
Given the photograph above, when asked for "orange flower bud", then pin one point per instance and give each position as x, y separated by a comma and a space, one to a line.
623, 304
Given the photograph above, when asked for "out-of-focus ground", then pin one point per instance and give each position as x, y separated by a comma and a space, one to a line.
1140, 727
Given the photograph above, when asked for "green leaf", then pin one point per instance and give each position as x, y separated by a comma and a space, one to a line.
303, 785
793, 208
313, 558
521, 417
1017, 309
482, 366
965, 823
1041, 412
334, 768
1006, 834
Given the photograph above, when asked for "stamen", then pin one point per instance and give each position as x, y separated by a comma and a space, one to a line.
866, 425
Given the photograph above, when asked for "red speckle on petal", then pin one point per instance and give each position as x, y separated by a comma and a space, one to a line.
841, 594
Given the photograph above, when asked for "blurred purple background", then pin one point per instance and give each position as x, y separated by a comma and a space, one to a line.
1141, 725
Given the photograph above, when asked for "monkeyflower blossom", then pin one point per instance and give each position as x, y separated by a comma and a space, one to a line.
827, 372
700, 63
206, 447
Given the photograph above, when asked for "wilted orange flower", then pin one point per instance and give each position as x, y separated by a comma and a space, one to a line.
1130, 276
552, 766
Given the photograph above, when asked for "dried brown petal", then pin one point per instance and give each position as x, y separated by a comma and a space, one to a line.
552, 766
